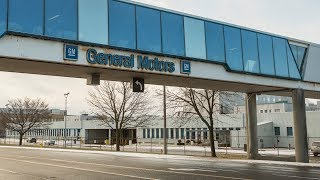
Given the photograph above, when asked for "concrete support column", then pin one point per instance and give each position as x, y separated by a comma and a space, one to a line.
251, 109
300, 126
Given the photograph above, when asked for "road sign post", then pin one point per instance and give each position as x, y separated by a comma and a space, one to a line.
138, 85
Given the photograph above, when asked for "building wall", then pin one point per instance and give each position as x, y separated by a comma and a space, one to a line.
224, 124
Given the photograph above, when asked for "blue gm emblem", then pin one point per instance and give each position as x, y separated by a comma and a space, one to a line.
70, 52
185, 67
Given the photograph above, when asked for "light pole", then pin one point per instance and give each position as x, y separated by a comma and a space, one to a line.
165, 121
65, 119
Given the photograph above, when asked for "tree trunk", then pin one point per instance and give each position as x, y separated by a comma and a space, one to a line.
213, 150
20, 139
117, 139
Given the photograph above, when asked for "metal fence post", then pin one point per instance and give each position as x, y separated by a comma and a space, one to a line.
137, 145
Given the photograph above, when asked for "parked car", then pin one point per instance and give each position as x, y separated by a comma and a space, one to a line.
315, 148
49, 142
32, 140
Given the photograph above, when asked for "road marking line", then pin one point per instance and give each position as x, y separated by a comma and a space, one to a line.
187, 169
126, 167
294, 176
13, 172
82, 169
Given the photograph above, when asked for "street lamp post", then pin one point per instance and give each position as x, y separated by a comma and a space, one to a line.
65, 119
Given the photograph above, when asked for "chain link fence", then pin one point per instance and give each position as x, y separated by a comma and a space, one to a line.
268, 145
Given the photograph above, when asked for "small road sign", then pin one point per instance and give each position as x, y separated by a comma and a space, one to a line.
138, 85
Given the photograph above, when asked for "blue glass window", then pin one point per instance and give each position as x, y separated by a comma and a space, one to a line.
215, 42
293, 68
122, 25
250, 51
3, 16
26, 16
194, 38
266, 54
301, 51
294, 50
148, 29
233, 48
93, 21
61, 19
280, 57
298, 54
172, 34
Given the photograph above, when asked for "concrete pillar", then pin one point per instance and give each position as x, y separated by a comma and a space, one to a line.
300, 126
252, 141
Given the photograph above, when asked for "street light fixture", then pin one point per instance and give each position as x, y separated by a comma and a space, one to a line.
65, 119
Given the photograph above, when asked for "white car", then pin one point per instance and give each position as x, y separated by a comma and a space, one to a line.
315, 148
49, 142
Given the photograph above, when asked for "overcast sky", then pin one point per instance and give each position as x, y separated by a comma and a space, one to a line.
293, 18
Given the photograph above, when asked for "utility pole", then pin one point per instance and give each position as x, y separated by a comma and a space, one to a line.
165, 121
65, 119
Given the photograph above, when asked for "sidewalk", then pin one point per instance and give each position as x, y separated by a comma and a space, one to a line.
160, 156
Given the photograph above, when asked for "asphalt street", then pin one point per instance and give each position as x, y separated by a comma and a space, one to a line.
32, 164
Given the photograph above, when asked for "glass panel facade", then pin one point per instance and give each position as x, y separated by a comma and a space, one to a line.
233, 48
172, 34
266, 54
215, 42
26, 16
3, 16
294, 50
93, 21
280, 57
293, 68
122, 25
61, 19
194, 38
298, 54
301, 51
148, 29
250, 51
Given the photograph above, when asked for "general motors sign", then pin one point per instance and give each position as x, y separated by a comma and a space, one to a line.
70, 52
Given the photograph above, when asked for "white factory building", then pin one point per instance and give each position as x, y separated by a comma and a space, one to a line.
229, 130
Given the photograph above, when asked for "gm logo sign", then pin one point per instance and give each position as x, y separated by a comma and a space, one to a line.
185, 67
70, 52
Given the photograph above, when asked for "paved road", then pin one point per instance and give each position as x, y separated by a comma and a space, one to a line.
37, 164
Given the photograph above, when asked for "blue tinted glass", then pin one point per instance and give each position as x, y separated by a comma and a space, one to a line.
148, 29
26, 16
61, 19
294, 50
122, 31
3, 16
293, 69
280, 57
194, 38
91, 30
233, 48
250, 51
300, 55
172, 34
266, 54
215, 42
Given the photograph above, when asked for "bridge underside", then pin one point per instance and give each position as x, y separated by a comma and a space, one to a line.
79, 71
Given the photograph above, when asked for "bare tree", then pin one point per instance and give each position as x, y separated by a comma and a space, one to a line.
23, 115
206, 105
117, 106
